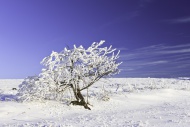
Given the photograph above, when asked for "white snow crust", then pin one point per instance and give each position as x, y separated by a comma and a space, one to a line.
125, 102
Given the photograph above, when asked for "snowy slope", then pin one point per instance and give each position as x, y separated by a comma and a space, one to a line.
132, 102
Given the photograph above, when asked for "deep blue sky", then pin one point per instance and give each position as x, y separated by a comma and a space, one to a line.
153, 35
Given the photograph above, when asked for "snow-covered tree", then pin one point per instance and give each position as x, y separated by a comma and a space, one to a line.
75, 69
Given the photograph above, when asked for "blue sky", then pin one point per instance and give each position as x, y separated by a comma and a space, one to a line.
153, 35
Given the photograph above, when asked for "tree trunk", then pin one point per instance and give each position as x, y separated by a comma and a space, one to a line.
80, 99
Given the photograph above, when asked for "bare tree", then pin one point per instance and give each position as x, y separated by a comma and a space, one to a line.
77, 69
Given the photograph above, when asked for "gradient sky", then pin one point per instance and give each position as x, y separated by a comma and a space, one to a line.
153, 35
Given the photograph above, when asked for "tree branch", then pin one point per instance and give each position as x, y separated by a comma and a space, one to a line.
96, 79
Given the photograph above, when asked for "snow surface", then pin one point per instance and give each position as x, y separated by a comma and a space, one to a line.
129, 102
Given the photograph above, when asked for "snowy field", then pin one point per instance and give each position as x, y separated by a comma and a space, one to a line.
130, 102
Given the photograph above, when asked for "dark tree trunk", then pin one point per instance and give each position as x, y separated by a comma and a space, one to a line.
80, 99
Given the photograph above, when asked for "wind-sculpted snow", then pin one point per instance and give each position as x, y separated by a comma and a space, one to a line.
121, 102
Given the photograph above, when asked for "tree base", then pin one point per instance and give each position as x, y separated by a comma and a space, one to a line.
81, 103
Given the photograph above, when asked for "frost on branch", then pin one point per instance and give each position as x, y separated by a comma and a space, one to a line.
71, 70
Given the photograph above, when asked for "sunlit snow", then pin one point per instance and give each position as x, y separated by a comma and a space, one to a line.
124, 102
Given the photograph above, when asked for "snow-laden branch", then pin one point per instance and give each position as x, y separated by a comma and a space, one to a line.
77, 68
